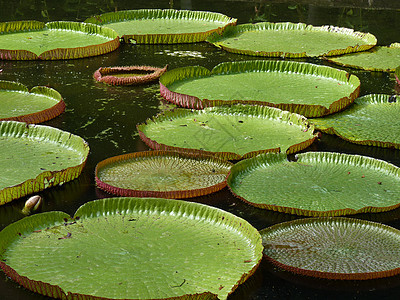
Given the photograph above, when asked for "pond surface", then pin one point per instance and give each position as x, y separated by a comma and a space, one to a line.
106, 117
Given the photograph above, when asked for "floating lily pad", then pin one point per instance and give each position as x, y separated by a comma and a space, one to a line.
35, 157
317, 184
132, 248
39, 104
372, 120
28, 40
334, 248
161, 174
228, 132
291, 40
303, 88
377, 59
163, 26
130, 75
397, 74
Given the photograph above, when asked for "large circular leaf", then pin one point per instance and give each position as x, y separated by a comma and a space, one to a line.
35, 106
234, 132
131, 248
26, 40
302, 88
35, 157
161, 174
163, 26
377, 59
334, 248
291, 40
317, 184
372, 120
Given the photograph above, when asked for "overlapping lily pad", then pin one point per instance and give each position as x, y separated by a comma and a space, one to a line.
334, 248
302, 88
377, 59
317, 184
163, 26
228, 132
130, 75
372, 120
29, 40
35, 157
161, 174
131, 248
291, 40
39, 104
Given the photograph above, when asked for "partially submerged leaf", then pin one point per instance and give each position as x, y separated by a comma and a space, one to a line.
303, 88
371, 120
163, 26
228, 132
35, 157
131, 248
377, 59
129, 75
334, 248
161, 174
29, 40
39, 104
317, 184
291, 40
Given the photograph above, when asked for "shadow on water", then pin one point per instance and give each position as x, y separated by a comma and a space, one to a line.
106, 116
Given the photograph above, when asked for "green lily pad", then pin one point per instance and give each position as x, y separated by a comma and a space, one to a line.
228, 132
317, 184
397, 74
39, 104
161, 174
29, 40
291, 40
35, 157
163, 26
334, 248
129, 75
303, 88
377, 59
131, 248
372, 120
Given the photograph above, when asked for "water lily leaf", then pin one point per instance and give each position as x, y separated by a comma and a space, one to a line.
377, 59
397, 74
162, 174
334, 248
317, 184
129, 75
35, 106
163, 26
372, 120
228, 132
35, 157
131, 248
303, 88
28, 40
291, 40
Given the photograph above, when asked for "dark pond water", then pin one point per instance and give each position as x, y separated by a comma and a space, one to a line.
106, 117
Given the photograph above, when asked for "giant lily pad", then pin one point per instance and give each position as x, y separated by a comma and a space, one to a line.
302, 88
291, 40
317, 184
372, 120
161, 174
35, 157
376, 59
27, 40
130, 75
132, 248
35, 106
334, 248
163, 26
233, 132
